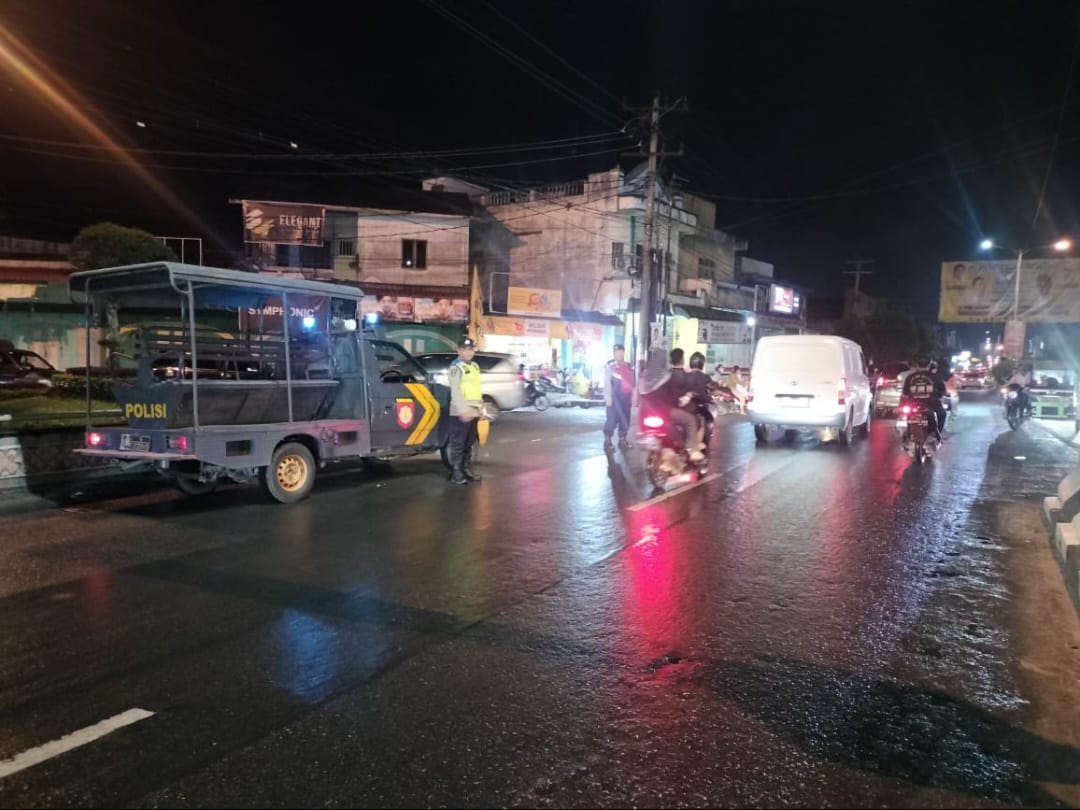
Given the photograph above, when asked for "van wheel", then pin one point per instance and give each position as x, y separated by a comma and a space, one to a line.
290, 474
847, 435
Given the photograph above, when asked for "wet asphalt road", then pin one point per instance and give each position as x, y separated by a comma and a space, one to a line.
812, 626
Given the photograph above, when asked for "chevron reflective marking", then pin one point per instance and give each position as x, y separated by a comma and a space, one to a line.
431, 412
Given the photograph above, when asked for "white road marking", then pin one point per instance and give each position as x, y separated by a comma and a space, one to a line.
35, 756
678, 491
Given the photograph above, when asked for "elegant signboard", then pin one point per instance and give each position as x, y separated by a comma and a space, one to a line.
283, 224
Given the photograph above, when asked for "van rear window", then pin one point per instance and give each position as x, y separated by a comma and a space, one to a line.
793, 358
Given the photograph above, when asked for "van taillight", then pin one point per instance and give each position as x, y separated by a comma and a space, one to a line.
841, 391
749, 393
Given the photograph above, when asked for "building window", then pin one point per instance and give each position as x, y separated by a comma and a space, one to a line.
346, 247
706, 268
414, 254
617, 260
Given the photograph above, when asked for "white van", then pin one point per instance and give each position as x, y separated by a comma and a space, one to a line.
809, 382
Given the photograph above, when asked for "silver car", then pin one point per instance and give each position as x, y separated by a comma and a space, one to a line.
887, 395
498, 376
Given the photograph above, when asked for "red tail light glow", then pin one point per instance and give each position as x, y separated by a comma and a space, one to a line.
749, 394
177, 443
905, 410
880, 380
653, 421
841, 391
95, 439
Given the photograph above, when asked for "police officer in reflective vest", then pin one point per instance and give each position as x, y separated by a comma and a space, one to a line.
466, 410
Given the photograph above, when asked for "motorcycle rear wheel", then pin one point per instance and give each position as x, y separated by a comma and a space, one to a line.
541, 402
657, 477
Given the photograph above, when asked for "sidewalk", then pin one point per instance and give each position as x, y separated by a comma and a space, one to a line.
1063, 429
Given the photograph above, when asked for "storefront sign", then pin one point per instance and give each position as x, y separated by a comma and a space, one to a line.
723, 332
283, 224
530, 301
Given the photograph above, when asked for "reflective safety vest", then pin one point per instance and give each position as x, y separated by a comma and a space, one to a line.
470, 382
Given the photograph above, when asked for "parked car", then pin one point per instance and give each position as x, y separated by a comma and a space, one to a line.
22, 367
887, 394
498, 376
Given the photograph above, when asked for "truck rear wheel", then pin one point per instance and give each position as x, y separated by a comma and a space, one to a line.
191, 486
290, 474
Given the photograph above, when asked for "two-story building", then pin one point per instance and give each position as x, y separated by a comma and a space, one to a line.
412, 252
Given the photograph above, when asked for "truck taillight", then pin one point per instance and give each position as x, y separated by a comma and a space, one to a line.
841, 391
177, 443
94, 439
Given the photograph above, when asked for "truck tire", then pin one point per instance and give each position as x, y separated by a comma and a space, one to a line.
191, 486
290, 474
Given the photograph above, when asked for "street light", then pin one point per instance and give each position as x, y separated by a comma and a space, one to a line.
988, 244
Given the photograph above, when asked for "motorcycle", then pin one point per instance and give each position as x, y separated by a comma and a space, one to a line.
668, 459
535, 397
1015, 411
724, 401
913, 424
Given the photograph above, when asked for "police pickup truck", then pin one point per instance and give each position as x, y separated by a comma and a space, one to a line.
244, 376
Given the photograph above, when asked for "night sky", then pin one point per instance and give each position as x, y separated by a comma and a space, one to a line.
898, 132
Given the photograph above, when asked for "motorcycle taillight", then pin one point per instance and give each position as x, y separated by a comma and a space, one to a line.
906, 410
653, 421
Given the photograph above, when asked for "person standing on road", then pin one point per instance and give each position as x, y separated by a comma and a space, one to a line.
618, 389
466, 410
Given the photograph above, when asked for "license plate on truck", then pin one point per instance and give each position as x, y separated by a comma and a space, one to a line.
131, 441
794, 402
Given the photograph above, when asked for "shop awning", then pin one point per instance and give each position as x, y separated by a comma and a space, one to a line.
708, 313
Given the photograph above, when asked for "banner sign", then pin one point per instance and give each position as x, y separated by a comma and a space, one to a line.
529, 301
407, 309
979, 292
548, 330
283, 224
723, 332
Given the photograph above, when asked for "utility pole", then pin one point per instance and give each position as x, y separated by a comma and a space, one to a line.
645, 314
649, 280
858, 272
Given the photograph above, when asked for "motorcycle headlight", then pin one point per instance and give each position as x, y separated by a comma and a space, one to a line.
1012, 395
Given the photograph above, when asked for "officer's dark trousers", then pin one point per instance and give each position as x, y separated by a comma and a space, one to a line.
463, 436
618, 417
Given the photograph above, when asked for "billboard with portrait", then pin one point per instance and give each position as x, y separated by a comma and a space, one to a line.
981, 292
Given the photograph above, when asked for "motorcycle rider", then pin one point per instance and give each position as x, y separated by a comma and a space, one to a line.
698, 385
1019, 382
919, 384
662, 388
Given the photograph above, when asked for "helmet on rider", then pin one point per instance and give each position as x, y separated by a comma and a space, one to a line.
922, 362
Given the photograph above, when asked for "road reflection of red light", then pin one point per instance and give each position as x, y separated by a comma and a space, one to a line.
97, 598
652, 597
